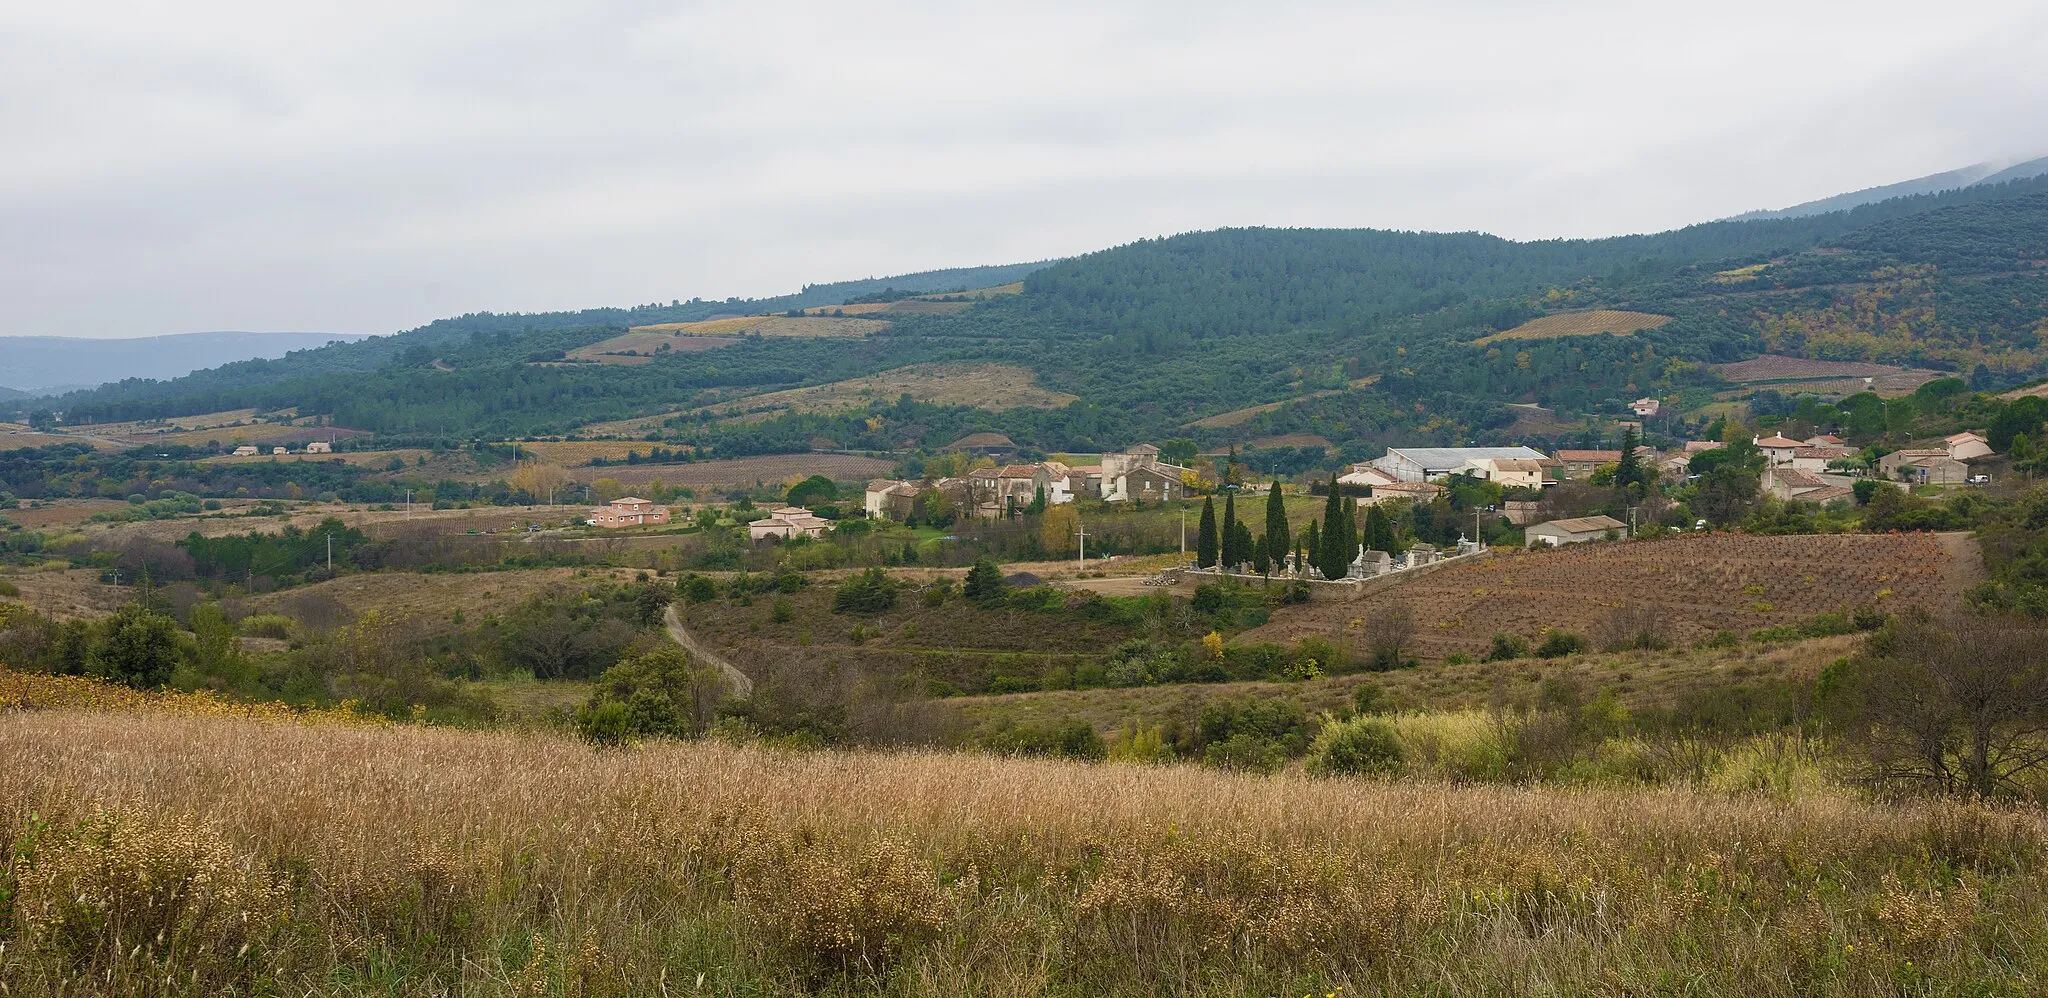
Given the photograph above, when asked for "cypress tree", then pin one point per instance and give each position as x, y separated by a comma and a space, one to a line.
1331, 560
1379, 531
1309, 549
1243, 542
1205, 537
1629, 471
1262, 557
1277, 541
1232, 557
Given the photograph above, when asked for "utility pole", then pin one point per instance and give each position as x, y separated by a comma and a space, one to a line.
1477, 537
1183, 531
408, 501
1082, 533
330, 554
1631, 521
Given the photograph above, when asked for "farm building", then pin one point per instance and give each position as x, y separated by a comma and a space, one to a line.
1923, 466
1365, 476
889, 499
629, 511
788, 522
278, 452
1645, 407
1138, 473
1506, 471
1966, 445
1420, 464
1811, 458
1578, 530
247, 450
1580, 463
319, 447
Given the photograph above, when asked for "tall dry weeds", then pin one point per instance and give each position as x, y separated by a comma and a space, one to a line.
419, 861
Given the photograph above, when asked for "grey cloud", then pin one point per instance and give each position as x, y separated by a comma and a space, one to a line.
367, 167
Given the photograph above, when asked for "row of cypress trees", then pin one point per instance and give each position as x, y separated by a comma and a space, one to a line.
1328, 546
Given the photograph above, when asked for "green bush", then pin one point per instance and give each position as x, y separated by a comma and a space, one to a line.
1558, 644
1362, 746
872, 591
784, 612
985, 583
1069, 738
662, 693
267, 625
9, 589
1508, 647
697, 588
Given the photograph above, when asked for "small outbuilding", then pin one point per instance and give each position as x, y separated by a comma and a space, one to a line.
1577, 530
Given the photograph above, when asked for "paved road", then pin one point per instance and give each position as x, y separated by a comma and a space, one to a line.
741, 685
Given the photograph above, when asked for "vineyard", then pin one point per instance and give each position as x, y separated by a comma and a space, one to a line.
1695, 584
1592, 323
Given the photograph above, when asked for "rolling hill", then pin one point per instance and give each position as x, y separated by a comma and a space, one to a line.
1969, 176
1362, 337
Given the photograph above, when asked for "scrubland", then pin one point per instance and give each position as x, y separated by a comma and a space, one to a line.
163, 850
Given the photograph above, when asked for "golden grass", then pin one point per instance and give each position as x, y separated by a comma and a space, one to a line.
421, 861
1591, 323
376, 458
764, 325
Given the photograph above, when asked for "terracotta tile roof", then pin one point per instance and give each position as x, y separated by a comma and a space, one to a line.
1696, 446
1794, 478
1961, 437
1824, 453
1776, 441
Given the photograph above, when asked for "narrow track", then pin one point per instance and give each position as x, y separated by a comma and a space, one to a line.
741, 685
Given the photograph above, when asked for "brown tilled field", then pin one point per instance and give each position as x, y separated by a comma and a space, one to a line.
59, 512
1591, 323
1697, 584
743, 471
577, 452
1779, 368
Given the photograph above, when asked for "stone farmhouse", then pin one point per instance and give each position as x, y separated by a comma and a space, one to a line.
1139, 474
1506, 471
630, 511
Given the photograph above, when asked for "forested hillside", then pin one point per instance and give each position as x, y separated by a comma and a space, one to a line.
1369, 335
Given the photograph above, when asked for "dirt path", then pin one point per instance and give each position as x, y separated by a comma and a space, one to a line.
1965, 566
741, 685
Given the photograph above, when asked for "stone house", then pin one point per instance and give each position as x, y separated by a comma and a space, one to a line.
1923, 466
629, 511
788, 522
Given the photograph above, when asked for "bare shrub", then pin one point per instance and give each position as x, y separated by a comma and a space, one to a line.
1632, 626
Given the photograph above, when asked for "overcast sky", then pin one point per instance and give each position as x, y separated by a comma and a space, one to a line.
369, 166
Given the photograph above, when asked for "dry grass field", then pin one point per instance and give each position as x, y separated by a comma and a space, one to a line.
1697, 584
77, 592
680, 335
1292, 440
744, 471
160, 853
59, 513
1593, 323
14, 436
429, 601
989, 386
371, 458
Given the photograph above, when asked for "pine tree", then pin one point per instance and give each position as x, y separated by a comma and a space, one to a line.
1206, 551
1277, 541
1232, 557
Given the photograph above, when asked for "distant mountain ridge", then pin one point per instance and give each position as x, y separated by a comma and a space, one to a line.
1979, 174
33, 365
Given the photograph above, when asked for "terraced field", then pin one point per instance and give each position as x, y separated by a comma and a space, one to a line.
1593, 323
1696, 583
